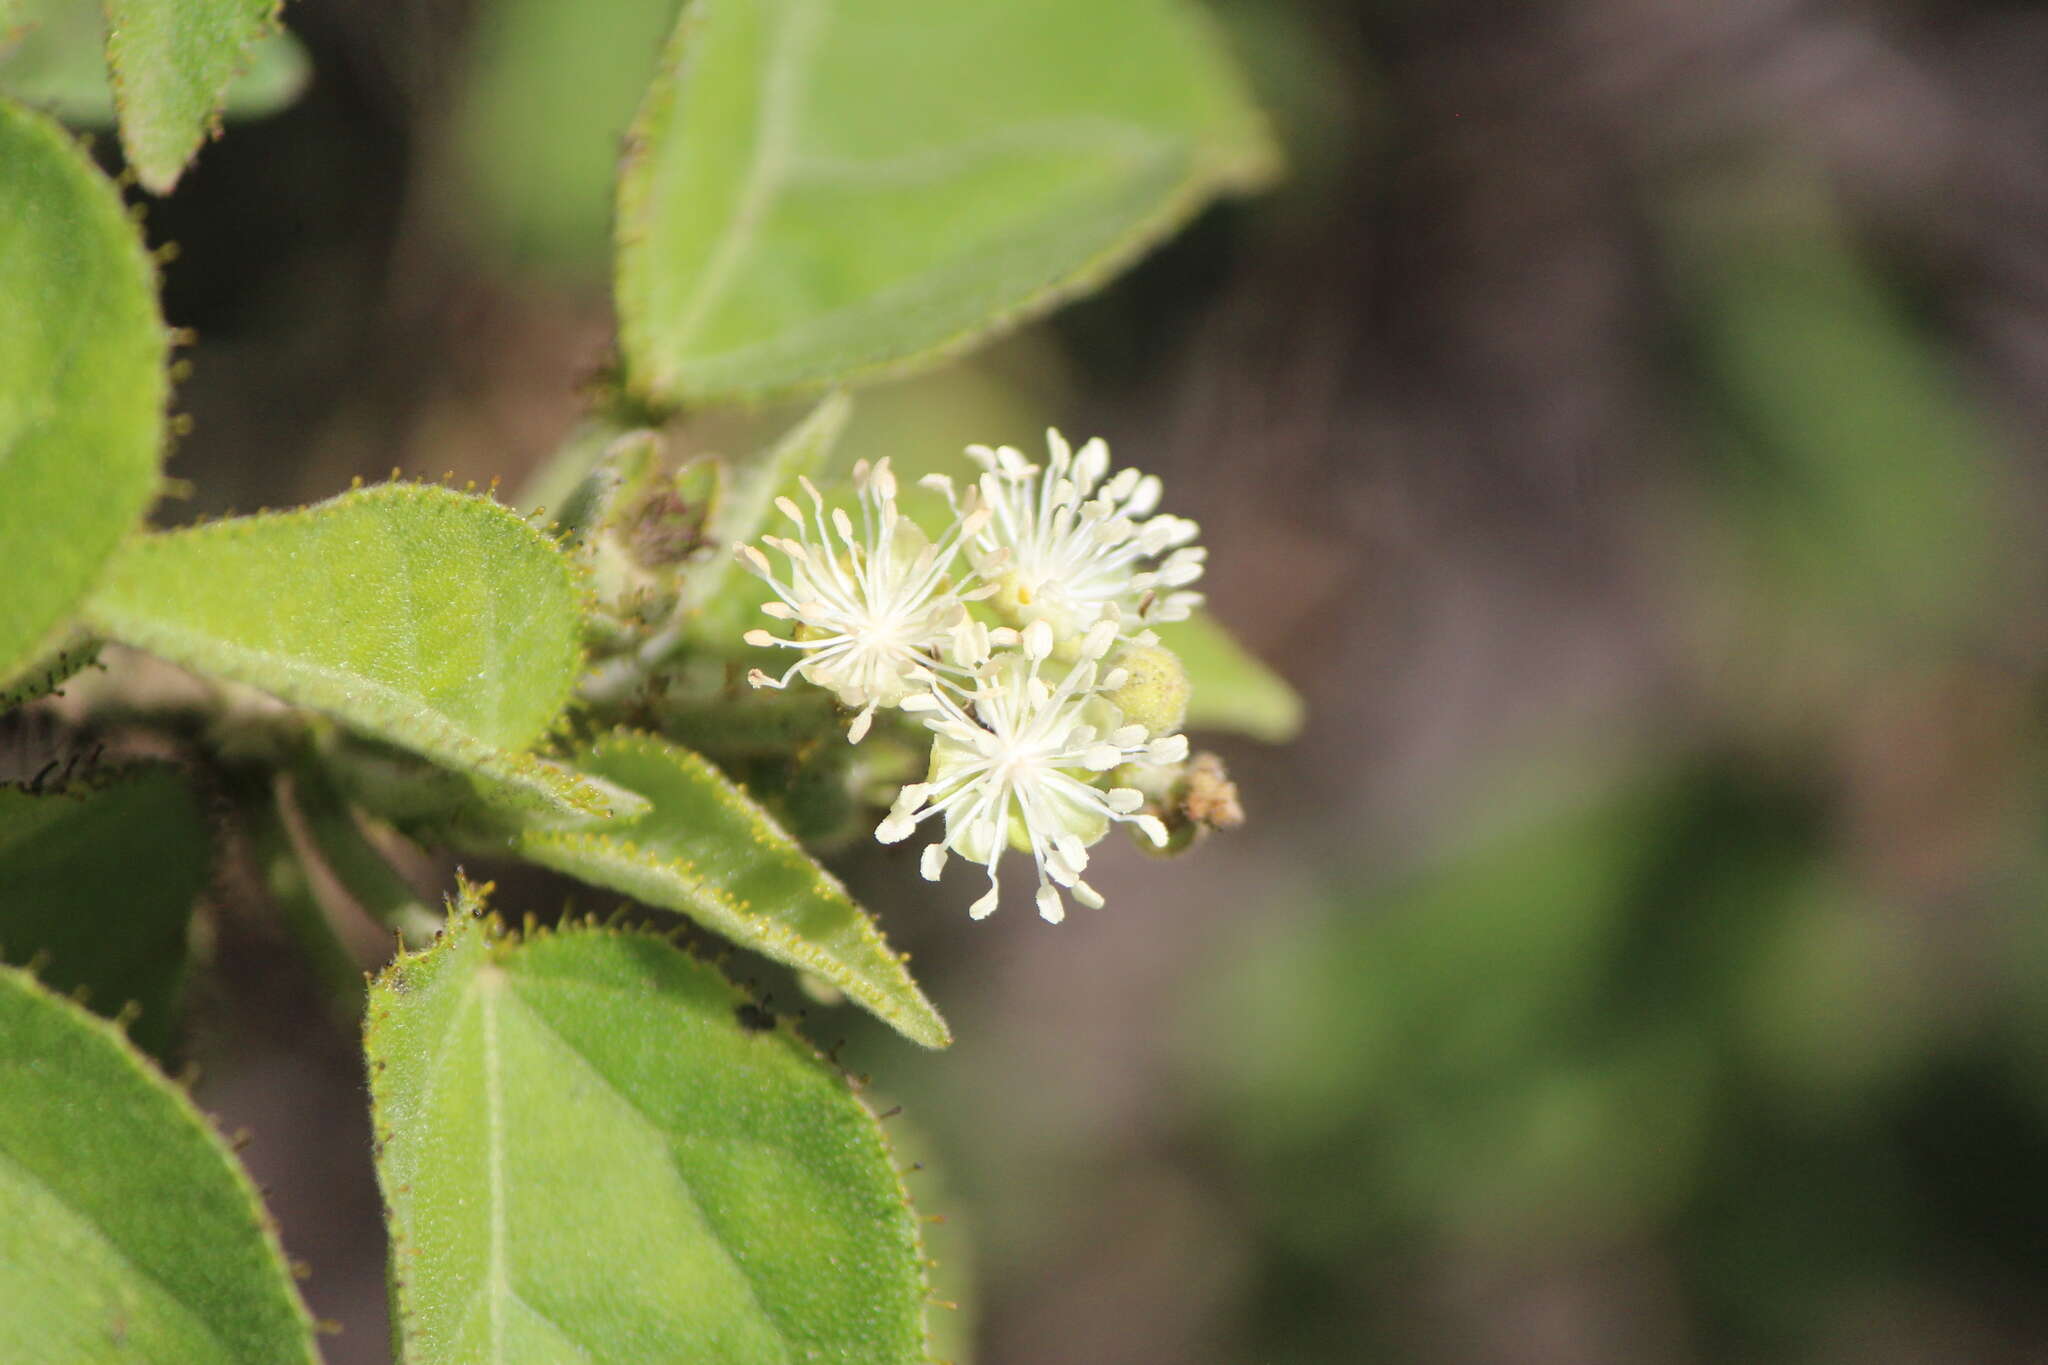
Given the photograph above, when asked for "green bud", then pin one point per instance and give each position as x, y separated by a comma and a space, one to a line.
1156, 694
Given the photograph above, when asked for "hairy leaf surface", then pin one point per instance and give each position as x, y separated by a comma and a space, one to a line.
82, 379
98, 882
127, 1230
59, 65
437, 621
706, 850
816, 191
172, 62
593, 1147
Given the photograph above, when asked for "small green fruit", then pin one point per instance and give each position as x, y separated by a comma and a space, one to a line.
1156, 694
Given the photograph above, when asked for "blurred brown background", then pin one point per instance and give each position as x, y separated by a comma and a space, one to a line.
1625, 429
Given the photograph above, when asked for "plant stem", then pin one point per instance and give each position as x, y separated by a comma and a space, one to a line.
363, 872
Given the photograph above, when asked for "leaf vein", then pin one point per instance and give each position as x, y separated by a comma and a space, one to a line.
781, 86
654, 1124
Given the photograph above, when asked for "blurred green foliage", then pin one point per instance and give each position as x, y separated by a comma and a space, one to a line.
97, 883
56, 61
1662, 1015
546, 97
1722, 1010
1857, 479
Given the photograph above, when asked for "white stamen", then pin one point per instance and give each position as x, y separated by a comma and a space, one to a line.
1077, 545
876, 599
1013, 756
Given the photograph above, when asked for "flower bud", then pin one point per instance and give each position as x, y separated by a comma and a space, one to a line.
1155, 695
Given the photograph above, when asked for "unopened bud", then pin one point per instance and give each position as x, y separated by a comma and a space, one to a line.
1155, 695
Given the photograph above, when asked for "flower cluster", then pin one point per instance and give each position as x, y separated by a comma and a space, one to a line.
1019, 639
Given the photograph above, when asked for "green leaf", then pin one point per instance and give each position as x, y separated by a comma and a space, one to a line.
813, 195
82, 379
60, 67
98, 883
1232, 689
172, 62
47, 675
127, 1231
593, 1148
437, 621
541, 790
706, 850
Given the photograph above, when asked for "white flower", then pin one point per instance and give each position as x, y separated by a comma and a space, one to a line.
1073, 545
1017, 763
873, 605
